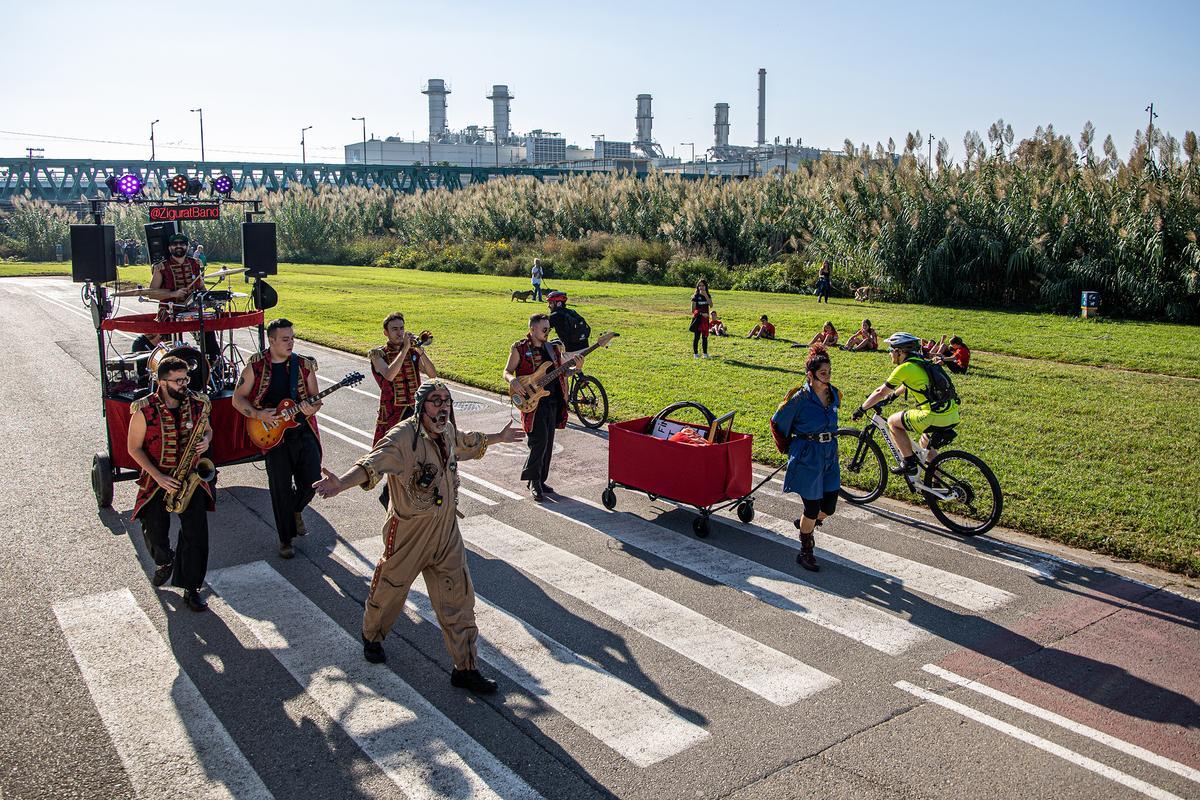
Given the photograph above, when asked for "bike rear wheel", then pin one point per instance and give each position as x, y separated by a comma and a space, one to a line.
977, 502
590, 401
864, 472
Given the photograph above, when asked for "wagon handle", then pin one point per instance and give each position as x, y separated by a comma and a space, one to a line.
708, 415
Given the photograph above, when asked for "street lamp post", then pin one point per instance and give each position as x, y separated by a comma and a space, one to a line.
363, 120
303, 153
200, 111
152, 124
929, 165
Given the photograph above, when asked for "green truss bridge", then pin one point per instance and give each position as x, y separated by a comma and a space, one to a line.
66, 181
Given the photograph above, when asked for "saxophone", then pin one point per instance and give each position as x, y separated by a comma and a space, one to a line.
190, 471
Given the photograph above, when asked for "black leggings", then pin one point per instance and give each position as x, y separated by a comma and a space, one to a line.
826, 504
696, 338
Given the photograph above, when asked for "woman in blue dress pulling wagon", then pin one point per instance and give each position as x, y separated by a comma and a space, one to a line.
807, 421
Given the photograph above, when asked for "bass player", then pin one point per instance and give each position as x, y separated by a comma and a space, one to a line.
293, 465
524, 358
165, 429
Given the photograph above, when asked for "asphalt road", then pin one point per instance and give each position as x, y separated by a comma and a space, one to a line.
634, 659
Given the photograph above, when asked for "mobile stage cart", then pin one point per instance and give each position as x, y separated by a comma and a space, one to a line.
710, 477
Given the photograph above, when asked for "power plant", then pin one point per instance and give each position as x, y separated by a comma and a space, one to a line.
472, 146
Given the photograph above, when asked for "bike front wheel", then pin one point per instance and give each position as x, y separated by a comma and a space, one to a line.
590, 401
976, 499
864, 472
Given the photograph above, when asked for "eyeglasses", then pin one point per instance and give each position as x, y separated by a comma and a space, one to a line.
177, 381
437, 401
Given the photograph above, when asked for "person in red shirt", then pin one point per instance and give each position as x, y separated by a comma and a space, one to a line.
827, 338
763, 330
866, 338
958, 358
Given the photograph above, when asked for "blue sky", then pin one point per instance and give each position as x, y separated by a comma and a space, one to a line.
865, 71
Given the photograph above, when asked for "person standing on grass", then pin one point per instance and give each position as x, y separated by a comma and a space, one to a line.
535, 277
701, 308
201, 256
824, 282
806, 421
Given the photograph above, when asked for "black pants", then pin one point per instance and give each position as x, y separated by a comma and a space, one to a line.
293, 466
541, 439
191, 553
698, 337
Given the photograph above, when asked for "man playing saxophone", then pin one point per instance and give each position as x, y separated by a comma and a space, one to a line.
168, 433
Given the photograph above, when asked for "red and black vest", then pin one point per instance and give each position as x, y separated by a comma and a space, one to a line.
260, 366
176, 276
400, 392
165, 441
531, 357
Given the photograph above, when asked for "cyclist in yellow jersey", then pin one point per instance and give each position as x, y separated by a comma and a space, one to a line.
911, 378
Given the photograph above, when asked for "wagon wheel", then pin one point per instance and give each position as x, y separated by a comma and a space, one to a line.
609, 498
700, 526
745, 511
102, 480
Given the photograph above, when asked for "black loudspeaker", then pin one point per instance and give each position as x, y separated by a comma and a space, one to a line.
259, 255
156, 239
93, 253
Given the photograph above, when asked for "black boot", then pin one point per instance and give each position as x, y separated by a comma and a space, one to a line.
805, 557
193, 600
471, 680
910, 466
373, 652
536, 491
162, 574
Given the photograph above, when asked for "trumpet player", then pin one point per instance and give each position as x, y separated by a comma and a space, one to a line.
168, 433
397, 367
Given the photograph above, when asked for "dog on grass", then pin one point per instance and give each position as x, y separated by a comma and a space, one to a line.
863, 294
522, 296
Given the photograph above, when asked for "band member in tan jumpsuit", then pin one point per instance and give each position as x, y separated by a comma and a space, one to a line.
419, 459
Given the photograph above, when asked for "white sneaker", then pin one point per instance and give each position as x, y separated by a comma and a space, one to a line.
706, 355
695, 355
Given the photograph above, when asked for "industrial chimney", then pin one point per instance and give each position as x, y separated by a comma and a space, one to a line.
721, 125
437, 91
762, 107
500, 108
644, 119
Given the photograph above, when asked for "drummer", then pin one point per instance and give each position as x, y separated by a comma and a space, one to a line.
175, 278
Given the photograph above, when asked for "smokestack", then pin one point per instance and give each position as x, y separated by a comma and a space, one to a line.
437, 91
762, 107
721, 125
644, 119
500, 98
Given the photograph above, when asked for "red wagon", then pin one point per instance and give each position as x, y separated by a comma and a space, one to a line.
710, 477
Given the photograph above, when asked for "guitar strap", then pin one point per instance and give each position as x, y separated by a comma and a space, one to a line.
293, 384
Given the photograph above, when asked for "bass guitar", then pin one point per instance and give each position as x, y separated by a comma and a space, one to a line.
533, 387
266, 435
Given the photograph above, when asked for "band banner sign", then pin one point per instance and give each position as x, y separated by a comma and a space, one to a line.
173, 213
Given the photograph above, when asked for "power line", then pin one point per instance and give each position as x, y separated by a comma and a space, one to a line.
26, 134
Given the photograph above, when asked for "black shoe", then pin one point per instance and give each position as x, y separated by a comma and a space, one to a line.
547, 488
286, 550
471, 680
910, 467
193, 600
162, 574
373, 652
805, 557
536, 492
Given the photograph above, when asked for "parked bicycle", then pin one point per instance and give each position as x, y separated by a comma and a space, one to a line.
588, 399
960, 489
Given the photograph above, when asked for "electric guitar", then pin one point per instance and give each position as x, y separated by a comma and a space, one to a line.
533, 387
266, 435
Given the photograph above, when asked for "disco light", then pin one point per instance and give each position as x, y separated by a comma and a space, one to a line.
194, 186
179, 184
223, 185
128, 185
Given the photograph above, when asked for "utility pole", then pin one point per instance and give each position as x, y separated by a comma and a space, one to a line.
200, 111
152, 124
929, 166
303, 152
363, 120
1150, 128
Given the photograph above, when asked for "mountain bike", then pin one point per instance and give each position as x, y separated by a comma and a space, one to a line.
588, 399
960, 489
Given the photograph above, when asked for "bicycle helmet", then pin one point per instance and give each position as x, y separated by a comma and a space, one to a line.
902, 340
556, 297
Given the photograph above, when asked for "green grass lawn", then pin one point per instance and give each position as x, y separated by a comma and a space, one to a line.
1089, 452
15, 269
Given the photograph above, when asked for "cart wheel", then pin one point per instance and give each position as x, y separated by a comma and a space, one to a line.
745, 511
700, 527
609, 498
102, 480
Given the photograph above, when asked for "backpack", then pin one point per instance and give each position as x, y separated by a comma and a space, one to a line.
940, 392
571, 328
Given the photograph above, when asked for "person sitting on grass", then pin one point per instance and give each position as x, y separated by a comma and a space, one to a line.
931, 348
958, 357
866, 338
715, 326
763, 330
827, 338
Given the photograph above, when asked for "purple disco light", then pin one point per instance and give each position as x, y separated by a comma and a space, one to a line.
129, 184
223, 185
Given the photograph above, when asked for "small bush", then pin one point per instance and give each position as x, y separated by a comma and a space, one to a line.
685, 272
771, 278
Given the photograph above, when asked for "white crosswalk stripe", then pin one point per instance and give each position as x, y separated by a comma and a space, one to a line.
947, 586
763, 670
870, 626
166, 735
423, 752
638, 727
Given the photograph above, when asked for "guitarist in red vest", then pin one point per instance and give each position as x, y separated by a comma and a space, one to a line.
294, 465
525, 356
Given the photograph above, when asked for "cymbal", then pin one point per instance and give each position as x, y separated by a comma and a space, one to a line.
223, 272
